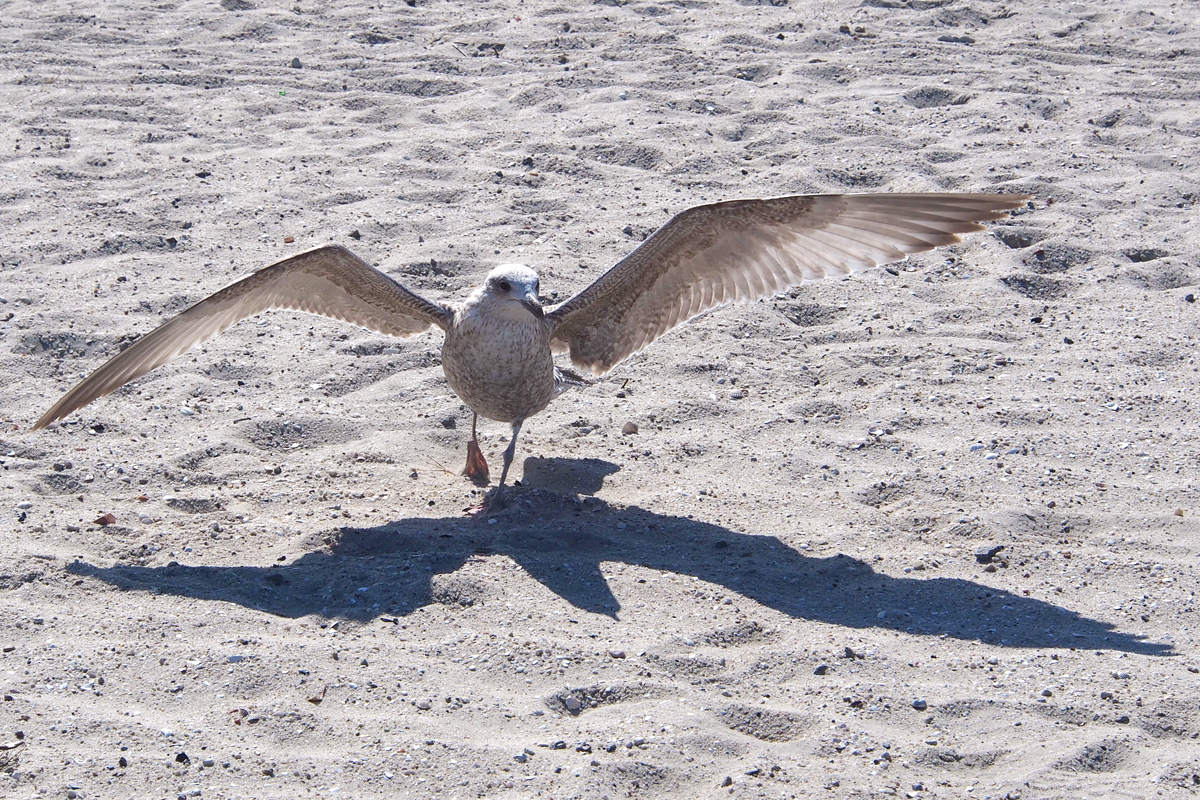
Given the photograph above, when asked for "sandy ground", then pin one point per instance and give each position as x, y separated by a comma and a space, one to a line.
773, 588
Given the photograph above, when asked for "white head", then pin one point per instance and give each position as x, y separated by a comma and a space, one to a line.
515, 287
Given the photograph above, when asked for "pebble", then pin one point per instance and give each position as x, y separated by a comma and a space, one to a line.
520, 758
424, 705
920, 705
630, 428
821, 670
573, 704
616, 653
25, 505
1047, 693
296, 64
986, 554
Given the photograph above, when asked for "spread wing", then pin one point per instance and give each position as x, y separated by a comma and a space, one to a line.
744, 250
330, 281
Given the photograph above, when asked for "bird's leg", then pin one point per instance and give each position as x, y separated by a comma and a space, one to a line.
496, 501
477, 468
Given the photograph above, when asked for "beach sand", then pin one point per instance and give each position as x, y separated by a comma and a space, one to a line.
785, 584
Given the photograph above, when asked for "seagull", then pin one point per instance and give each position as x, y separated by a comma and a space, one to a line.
499, 345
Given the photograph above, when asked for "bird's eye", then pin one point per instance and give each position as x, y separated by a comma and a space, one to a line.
505, 286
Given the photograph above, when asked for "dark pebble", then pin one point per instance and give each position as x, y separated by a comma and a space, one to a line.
821, 670
1122, 720
920, 705
296, 63
986, 554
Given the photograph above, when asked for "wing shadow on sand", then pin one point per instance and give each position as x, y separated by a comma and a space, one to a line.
393, 569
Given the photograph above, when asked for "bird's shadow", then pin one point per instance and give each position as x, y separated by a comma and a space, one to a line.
562, 541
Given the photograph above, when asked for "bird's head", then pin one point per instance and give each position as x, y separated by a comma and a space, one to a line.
515, 288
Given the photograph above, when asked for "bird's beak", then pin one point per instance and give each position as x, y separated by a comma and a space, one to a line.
530, 302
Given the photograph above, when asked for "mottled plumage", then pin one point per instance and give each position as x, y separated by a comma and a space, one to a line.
497, 354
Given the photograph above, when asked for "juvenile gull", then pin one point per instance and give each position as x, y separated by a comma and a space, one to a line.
499, 343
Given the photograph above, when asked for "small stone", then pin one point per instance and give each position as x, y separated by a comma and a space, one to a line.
25, 505
208, 762
424, 705
630, 428
920, 705
1047, 693
1122, 720
616, 653
559, 745
727, 782
572, 703
520, 758
296, 64
986, 554
821, 669
105, 519
1179, 512
583, 747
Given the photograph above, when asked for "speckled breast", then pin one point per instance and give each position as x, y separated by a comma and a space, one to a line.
502, 371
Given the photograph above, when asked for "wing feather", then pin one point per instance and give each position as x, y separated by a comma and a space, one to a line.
743, 250
329, 281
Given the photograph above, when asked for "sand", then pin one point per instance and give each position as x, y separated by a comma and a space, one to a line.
785, 584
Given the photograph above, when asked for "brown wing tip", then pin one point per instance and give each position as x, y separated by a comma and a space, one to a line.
53, 415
